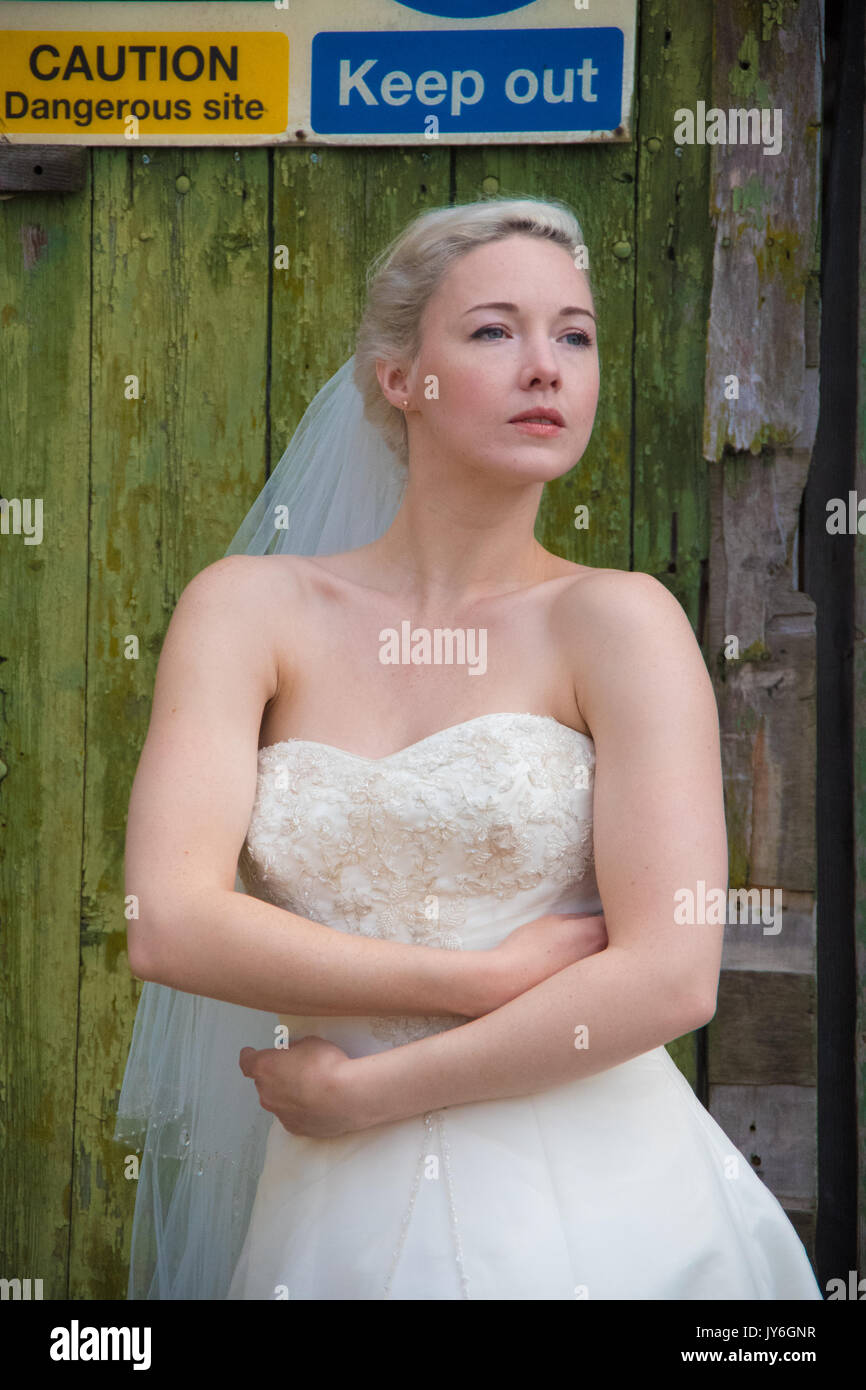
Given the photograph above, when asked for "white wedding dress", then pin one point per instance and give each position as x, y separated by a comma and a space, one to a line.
619, 1186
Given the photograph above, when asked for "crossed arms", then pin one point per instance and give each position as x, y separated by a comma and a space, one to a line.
658, 828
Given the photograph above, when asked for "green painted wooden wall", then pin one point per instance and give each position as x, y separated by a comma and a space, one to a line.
162, 269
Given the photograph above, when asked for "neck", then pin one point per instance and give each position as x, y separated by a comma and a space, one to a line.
448, 546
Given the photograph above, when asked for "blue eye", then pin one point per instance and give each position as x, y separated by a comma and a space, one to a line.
585, 340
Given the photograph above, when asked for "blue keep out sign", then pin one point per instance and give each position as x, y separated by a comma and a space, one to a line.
492, 81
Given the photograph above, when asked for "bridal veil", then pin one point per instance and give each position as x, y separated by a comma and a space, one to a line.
185, 1109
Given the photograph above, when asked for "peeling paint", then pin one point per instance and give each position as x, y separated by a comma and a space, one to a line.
33, 239
773, 16
751, 197
744, 78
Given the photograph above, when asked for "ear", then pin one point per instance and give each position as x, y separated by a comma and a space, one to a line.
393, 381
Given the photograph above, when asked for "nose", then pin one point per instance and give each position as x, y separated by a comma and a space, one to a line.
540, 366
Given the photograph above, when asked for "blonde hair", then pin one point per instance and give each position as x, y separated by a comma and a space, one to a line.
403, 277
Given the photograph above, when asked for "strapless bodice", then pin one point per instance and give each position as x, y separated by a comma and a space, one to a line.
452, 841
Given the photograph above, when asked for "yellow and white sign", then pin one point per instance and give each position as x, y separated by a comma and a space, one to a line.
330, 72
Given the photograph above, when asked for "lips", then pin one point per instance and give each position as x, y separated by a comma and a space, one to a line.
551, 417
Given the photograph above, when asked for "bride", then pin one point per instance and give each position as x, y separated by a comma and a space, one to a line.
453, 962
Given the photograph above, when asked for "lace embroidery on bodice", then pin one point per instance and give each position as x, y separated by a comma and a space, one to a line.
402, 847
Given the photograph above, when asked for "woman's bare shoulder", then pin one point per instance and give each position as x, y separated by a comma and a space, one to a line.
598, 596
236, 579
611, 627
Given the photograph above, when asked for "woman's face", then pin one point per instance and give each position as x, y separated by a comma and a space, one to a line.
534, 349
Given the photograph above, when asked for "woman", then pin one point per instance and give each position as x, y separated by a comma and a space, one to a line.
476, 1101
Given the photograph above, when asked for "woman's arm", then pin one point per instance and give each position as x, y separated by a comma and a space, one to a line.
189, 812
658, 829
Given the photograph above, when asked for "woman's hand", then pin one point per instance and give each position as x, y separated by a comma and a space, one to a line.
307, 1086
535, 951
313, 1087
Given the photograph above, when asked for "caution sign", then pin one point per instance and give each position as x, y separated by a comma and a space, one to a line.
142, 84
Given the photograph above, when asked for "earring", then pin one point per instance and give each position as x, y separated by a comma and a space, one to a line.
405, 403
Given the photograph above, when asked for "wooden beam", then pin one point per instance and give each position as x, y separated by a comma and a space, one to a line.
761, 395
43, 168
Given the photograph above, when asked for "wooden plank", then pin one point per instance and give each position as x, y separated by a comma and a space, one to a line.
747, 947
759, 429
43, 168
763, 1032
766, 1123
766, 212
180, 288
766, 686
44, 431
670, 514
673, 268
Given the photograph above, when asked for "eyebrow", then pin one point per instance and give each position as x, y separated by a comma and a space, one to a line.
513, 309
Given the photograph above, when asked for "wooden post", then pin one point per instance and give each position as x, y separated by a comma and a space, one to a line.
761, 394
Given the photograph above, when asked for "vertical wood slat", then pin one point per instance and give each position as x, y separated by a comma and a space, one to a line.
766, 212
673, 269
180, 284
674, 273
44, 454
